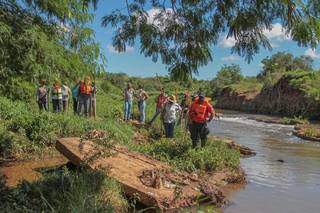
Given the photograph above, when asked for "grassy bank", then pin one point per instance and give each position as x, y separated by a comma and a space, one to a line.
26, 133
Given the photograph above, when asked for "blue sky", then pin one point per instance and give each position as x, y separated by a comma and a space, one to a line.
135, 64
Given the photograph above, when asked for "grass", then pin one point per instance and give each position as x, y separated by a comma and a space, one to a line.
24, 133
247, 85
293, 121
65, 191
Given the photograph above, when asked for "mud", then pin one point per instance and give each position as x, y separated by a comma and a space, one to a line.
153, 182
16, 172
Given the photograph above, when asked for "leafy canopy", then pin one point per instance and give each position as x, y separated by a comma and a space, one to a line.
182, 32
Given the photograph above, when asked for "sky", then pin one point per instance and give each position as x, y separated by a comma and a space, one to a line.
135, 64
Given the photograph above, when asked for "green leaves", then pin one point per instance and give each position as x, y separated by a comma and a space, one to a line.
182, 33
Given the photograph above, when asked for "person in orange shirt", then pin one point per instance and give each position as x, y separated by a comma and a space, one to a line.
85, 92
200, 112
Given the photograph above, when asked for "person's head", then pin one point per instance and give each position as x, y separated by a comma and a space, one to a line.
65, 83
42, 82
172, 99
140, 86
161, 91
201, 98
87, 80
129, 86
76, 81
56, 82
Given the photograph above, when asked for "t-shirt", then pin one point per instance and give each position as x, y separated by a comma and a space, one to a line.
65, 92
42, 93
141, 95
170, 112
128, 94
161, 100
56, 93
75, 91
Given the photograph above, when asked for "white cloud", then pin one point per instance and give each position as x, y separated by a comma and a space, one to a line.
228, 42
230, 58
114, 51
312, 53
276, 32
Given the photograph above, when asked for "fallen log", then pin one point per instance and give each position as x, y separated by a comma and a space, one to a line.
244, 150
153, 182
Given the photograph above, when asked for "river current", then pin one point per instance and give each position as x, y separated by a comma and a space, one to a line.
283, 177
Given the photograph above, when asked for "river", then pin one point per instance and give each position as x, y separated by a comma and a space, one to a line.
284, 176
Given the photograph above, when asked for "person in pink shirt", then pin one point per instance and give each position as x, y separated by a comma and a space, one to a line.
161, 100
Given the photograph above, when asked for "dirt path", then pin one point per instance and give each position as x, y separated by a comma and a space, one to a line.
15, 172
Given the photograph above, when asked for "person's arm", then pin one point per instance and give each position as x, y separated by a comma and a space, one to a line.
211, 112
146, 95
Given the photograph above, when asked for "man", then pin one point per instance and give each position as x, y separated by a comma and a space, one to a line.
142, 96
200, 112
169, 116
75, 96
160, 102
56, 96
66, 93
128, 98
85, 96
42, 96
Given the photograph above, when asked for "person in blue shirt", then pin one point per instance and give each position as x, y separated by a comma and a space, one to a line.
75, 96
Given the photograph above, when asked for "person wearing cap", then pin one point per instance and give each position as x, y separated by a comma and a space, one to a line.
160, 102
169, 115
200, 112
42, 96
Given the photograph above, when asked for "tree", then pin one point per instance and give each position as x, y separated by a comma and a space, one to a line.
280, 63
226, 76
37, 41
182, 32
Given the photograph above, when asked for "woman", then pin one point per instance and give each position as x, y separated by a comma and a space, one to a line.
169, 116
128, 98
75, 96
85, 90
56, 96
66, 93
142, 96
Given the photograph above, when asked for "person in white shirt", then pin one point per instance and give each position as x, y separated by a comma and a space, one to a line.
169, 115
66, 94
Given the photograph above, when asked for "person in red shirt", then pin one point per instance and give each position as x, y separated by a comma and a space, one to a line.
200, 113
160, 102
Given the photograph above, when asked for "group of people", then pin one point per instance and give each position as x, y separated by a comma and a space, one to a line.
196, 110
83, 95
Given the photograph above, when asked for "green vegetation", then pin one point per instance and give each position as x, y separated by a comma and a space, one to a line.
195, 26
25, 133
65, 191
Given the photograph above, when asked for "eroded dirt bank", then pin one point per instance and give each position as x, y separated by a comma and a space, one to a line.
281, 99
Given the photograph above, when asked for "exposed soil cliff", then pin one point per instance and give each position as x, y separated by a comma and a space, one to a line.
281, 99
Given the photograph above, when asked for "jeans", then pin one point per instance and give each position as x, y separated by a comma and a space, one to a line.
65, 105
156, 114
127, 110
169, 129
199, 130
42, 103
57, 105
75, 105
142, 110
84, 101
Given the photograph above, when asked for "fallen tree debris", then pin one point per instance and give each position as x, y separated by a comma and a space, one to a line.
152, 181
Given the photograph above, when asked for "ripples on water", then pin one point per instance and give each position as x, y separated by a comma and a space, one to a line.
292, 186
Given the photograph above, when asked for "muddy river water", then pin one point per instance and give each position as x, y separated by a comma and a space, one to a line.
283, 177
